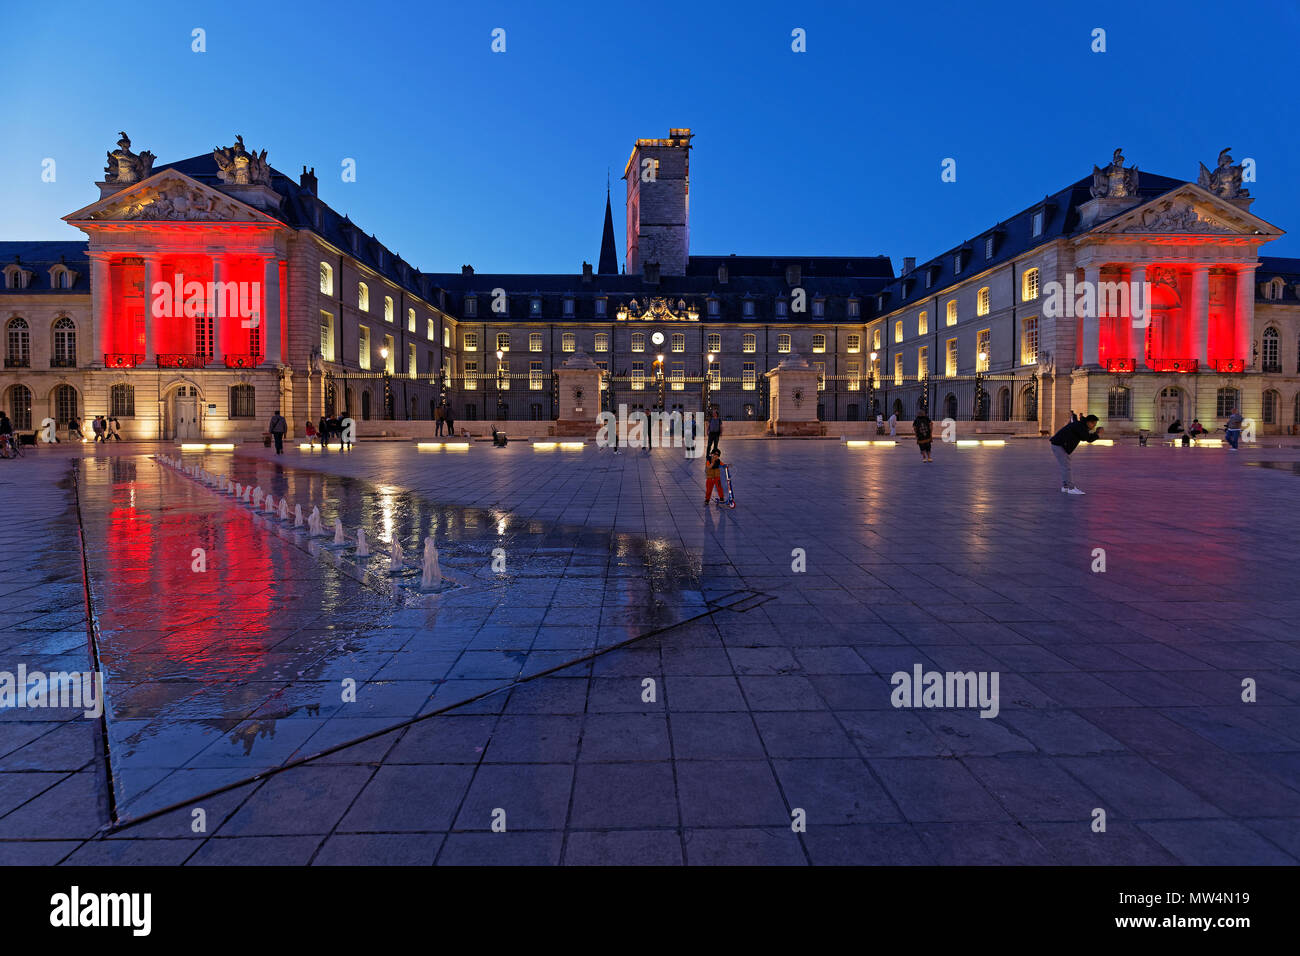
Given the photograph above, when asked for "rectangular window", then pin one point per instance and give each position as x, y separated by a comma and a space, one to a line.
471, 376
715, 342
982, 350
923, 362
602, 342
638, 341
534, 306
604, 377
535, 376
1117, 404
898, 368
875, 339
1029, 285
1038, 224
446, 336
503, 341
855, 307
749, 308
568, 307
679, 342
677, 377
471, 341
818, 343
748, 377
749, 343
326, 279
568, 342
950, 367
503, 374
923, 323
713, 307
471, 305
363, 346
412, 366
819, 308
715, 375
952, 311
988, 247
390, 363
853, 371
430, 330
1029, 341
327, 336
898, 331
982, 301
854, 344
410, 320
782, 308
534, 341
638, 376
122, 401
600, 306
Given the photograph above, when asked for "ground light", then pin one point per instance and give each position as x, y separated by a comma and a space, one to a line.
544, 446
207, 446
986, 442
862, 443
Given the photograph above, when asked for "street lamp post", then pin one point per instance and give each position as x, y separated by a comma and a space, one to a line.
500, 399
980, 360
659, 378
388, 385
708, 384
871, 387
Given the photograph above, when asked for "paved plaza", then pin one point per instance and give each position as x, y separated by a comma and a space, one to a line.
617, 674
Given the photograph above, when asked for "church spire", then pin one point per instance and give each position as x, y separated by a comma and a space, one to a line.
608, 252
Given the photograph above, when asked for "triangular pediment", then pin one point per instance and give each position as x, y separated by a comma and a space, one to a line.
168, 196
1189, 209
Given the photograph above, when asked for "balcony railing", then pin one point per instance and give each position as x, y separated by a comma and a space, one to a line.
18, 361
1231, 365
64, 361
181, 360
1175, 365
242, 360
1121, 365
122, 360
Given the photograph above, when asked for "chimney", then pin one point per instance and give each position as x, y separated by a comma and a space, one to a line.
650, 273
308, 180
467, 270
586, 272
909, 263
792, 274
723, 275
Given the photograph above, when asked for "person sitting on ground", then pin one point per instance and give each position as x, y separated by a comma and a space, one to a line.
499, 438
74, 428
1176, 427
1197, 429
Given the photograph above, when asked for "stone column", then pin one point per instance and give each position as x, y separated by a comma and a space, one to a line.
1198, 326
1091, 323
151, 272
101, 297
1244, 320
218, 275
579, 375
1138, 331
792, 398
271, 311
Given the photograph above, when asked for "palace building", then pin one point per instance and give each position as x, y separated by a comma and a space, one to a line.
212, 291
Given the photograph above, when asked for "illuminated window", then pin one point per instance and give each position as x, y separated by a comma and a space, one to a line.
898, 368
410, 320
390, 363
363, 346
950, 366
982, 350
327, 336
503, 373
604, 377
534, 341
982, 301
853, 372
638, 376
898, 331
1029, 285
818, 343
922, 362
503, 341
677, 377
638, 341
326, 279
749, 343
715, 342
535, 376
1029, 341
923, 323
679, 342
951, 311
568, 342
471, 376
446, 336
602, 342
748, 377
363, 297
715, 374
854, 344
875, 338
388, 308
430, 330
411, 367
471, 341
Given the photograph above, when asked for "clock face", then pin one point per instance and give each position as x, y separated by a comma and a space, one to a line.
657, 338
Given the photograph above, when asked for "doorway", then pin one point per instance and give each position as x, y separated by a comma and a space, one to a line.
183, 418
1169, 407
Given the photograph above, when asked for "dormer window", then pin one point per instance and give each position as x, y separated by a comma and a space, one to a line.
61, 277
988, 247
568, 307
956, 263
782, 308
1036, 223
713, 306
1274, 289
534, 306
819, 308
855, 307
601, 305
471, 305
749, 308
16, 277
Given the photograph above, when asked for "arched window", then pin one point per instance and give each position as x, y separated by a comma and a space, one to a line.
65, 404
1118, 403
1271, 409
19, 401
950, 406
326, 279
365, 406
363, 297
1226, 399
446, 336
121, 401
243, 401
952, 311
1029, 285
1029, 403
1275, 288
1004, 404
64, 353
388, 308
982, 302
1269, 353
18, 344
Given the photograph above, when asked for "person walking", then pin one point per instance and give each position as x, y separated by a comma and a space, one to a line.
114, 428
74, 428
715, 434
1065, 441
309, 432
923, 429
439, 419
451, 422
1232, 430
880, 424
893, 424
97, 427
277, 427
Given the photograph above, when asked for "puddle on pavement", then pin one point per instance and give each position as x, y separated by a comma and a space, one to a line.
214, 676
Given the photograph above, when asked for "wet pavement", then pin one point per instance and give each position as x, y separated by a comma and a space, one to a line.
650, 681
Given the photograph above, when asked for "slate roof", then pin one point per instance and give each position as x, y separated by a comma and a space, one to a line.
39, 257
1278, 267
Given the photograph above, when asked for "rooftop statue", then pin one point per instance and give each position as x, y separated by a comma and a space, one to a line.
1114, 182
1224, 181
125, 166
236, 166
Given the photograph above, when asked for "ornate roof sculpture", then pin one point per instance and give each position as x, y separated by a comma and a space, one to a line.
125, 166
1115, 182
236, 166
658, 309
1225, 179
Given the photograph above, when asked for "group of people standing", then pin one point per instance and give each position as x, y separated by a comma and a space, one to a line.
442, 418
326, 429
105, 429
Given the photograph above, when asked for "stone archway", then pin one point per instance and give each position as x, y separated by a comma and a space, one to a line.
181, 411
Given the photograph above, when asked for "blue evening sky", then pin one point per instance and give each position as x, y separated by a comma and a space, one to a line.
499, 160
